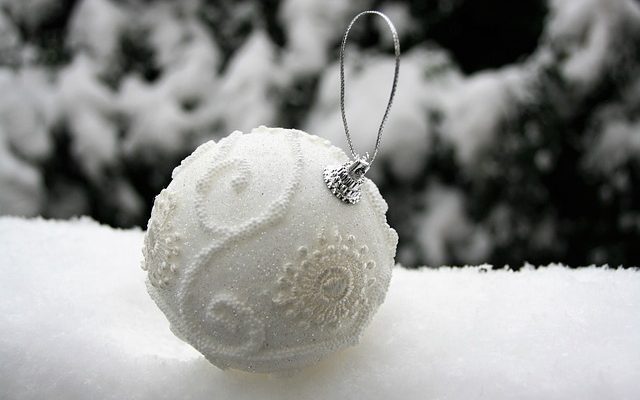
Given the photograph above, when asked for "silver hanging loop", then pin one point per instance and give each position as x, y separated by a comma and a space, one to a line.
345, 180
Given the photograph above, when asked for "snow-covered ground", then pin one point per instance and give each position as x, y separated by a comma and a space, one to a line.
76, 323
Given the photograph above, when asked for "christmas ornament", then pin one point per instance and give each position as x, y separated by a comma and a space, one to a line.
255, 262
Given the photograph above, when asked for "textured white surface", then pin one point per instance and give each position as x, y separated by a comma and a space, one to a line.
76, 323
256, 263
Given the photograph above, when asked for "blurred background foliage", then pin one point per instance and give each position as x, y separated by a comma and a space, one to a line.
515, 136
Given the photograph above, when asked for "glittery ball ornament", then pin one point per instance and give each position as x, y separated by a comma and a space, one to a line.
256, 263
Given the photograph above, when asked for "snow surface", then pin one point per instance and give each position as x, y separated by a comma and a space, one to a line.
76, 323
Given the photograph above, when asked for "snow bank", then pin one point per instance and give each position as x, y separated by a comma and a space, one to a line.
76, 322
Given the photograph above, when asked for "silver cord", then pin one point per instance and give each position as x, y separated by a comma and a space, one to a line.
396, 45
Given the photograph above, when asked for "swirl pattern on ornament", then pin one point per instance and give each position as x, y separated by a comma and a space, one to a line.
234, 325
161, 241
238, 181
327, 286
198, 326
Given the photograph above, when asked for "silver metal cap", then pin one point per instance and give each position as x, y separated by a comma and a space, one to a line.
344, 180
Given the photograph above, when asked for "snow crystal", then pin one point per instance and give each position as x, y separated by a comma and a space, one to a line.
76, 323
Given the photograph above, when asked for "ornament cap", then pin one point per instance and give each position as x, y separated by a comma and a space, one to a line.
345, 180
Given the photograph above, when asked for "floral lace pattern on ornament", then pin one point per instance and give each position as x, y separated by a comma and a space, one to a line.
161, 241
327, 285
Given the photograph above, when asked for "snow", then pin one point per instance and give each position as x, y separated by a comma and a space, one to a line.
24, 142
76, 322
618, 143
9, 40
244, 99
475, 108
21, 192
310, 28
86, 106
157, 122
188, 57
95, 28
444, 224
30, 12
588, 29
22, 115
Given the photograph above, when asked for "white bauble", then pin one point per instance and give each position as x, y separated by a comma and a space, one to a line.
256, 263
